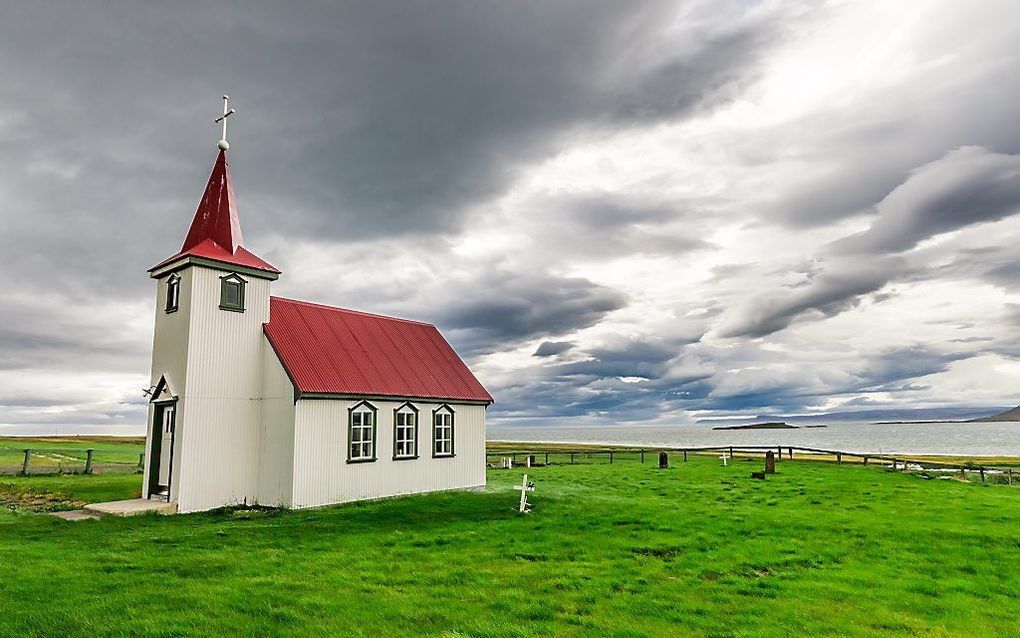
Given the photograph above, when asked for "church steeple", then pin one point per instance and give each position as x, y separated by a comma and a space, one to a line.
215, 233
216, 217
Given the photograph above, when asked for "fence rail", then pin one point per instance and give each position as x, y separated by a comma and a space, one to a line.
48, 460
537, 455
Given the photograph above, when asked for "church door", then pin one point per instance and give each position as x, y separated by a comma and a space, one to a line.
164, 425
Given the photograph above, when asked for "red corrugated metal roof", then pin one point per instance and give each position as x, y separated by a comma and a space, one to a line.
215, 231
337, 351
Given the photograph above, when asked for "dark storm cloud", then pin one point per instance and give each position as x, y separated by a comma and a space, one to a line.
36, 337
552, 348
505, 310
896, 365
838, 288
967, 186
605, 225
868, 149
632, 358
354, 121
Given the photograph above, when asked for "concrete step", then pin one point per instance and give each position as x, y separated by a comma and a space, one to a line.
76, 515
131, 507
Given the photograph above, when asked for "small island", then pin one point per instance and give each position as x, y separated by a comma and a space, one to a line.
770, 425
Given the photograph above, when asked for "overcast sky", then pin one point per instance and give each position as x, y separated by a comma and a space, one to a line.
615, 211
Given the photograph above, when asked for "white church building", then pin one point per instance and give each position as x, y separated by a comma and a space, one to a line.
261, 400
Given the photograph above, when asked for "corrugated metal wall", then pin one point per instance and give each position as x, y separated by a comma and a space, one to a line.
218, 432
169, 355
276, 448
322, 474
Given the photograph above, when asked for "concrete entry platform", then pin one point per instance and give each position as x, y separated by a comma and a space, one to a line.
75, 515
132, 507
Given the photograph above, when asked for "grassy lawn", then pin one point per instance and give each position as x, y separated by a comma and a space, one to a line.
66, 492
611, 550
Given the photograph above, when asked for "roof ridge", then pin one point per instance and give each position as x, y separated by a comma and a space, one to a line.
348, 310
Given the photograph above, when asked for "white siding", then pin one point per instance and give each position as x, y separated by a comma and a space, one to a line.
218, 431
169, 355
322, 474
276, 448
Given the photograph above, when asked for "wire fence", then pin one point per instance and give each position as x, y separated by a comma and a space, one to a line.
81, 460
537, 456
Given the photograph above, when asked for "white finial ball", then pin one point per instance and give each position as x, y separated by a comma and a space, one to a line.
222, 145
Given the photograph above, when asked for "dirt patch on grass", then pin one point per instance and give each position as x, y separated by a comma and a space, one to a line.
18, 499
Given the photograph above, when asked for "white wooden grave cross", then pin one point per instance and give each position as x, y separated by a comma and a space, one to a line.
724, 459
525, 487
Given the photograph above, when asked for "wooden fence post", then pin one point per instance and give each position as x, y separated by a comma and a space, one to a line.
610, 456
141, 459
24, 467
731, 452
982, 475
1009, 475
571, 458
685, 456
779, 449
88, 461
547, 458
865, 460
839, 458
791, 453
642, 457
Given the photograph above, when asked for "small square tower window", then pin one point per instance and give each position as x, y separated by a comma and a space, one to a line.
232, 293
173, 292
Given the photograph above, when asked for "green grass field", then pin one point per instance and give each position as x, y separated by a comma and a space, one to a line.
610, 550
54, 454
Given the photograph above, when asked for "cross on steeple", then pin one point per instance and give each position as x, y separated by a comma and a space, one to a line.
222, 144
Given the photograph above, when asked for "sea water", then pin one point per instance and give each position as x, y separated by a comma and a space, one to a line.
964, 439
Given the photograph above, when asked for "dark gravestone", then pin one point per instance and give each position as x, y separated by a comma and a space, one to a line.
770, 462
758, 475
663, 460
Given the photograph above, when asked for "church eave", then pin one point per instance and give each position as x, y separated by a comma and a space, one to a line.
181, 262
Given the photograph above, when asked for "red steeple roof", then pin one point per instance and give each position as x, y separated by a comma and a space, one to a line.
216, 218
216, 231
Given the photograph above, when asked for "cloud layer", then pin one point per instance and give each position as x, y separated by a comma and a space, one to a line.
618, 212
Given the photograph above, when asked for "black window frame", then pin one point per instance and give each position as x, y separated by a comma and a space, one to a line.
228, 280
362, 407
406, 408
173, 293
444, 409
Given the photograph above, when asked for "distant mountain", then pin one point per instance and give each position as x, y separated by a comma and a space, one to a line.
902, 415
1008, 415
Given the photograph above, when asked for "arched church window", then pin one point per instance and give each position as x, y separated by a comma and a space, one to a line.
232, 292
361, 433
442, 431
405, 432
